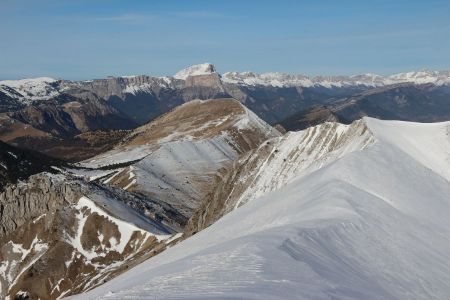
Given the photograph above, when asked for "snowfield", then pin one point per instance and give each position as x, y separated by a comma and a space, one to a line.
371, 224
31, 89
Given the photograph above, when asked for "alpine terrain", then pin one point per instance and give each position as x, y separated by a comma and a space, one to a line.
310, 162
336, 211
75, 120
233, 185
66, 228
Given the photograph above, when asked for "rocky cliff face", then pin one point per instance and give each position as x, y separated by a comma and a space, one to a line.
40, 194
61, 235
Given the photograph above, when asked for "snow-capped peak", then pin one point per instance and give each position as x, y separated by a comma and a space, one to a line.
201, 69
423, 76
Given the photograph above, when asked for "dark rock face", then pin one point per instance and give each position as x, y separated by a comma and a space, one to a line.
17, 164
8, 103
154, 96
310, 117
142, 107
407, 102
66, 119
274, 104
425, 103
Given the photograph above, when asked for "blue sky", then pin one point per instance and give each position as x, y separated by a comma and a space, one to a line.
93, 39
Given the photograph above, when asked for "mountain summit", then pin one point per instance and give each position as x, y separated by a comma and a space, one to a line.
195, 70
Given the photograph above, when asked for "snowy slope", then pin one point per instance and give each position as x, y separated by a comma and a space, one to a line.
214, 122
371, 224
420, 77
298, 154
174, 158
30, 89
195, 70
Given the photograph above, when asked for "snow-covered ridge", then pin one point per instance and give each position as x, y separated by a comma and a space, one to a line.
266, 79
31, 82
31, 89
373, 224
426, 76
175, 157
195, 70
300, 153
426, 143
371, 80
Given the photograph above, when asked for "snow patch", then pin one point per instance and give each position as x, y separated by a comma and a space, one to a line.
126, 229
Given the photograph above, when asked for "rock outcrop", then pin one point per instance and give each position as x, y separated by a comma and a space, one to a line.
60, 235
40, 194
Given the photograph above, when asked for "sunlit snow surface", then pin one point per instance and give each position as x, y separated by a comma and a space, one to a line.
373, 224
195, 70
30, 89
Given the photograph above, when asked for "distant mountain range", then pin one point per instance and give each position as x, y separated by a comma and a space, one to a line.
45, 88
59, 117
